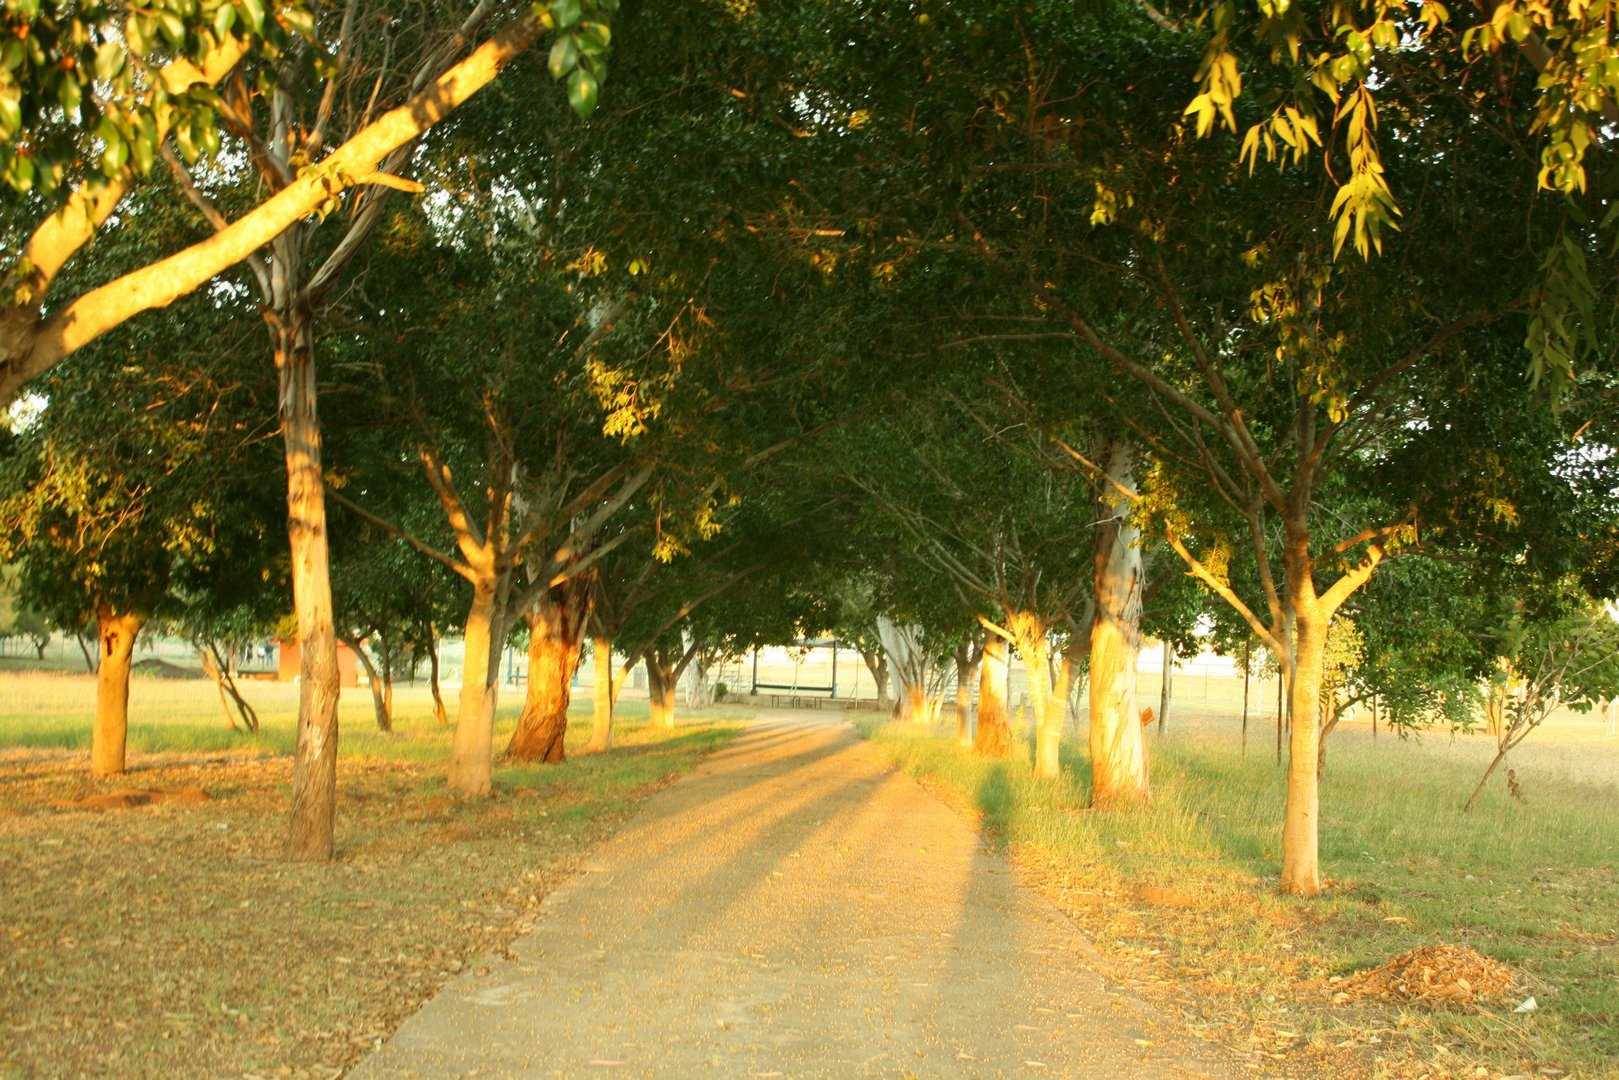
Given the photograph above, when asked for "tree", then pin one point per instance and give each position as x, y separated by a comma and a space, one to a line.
1557, 96
189, 50
1278, 374
17, 617
129, 493
1567, 658
180, 51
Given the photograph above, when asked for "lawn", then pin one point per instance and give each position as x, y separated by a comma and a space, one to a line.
169, 940
1182, 895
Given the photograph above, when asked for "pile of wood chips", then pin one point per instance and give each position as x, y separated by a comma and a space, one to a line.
1435, 975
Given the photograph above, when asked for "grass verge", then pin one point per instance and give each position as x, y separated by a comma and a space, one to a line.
1182, 894
169, 940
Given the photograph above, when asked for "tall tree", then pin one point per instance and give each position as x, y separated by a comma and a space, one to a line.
130, 493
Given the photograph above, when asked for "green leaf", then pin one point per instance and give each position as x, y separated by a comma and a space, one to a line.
183, 141
144, 150
224, 19
109, 60
252, 12
10, 111
208, 136
565, 13
300, 21
582, 90
564, 55
69, 94
138, 34
173, 28
21, 173
594, 38
115, 156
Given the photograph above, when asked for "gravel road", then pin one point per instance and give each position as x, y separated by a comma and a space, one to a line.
792, 908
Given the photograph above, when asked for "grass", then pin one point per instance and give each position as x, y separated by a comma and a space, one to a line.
1184, 892
170, 940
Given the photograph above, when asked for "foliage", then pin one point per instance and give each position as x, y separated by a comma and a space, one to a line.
132, 486
89, 91
17, 618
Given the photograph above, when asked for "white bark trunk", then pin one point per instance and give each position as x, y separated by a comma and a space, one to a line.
1118, 756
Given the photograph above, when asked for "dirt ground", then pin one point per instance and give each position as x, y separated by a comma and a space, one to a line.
170, 940
795, 907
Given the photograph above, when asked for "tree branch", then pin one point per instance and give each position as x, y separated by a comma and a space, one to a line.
37, 348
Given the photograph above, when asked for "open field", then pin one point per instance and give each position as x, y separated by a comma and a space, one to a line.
1183, 894
169, 940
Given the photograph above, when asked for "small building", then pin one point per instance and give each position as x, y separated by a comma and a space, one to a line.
291, 662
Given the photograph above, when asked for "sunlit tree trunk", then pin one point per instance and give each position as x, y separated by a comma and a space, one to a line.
116, 631
1047, 702
314, 777
912, 667
472, 745
1301, 863
1118, 758
556, 628
993, 739
604, 695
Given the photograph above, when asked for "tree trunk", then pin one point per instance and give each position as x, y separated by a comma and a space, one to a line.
1247, 673
472, 745
911, 666
439, 711
1280, 682
966, 673
84, 647
314, 776
877, 663
993, 739
116, 631
379, 700
556, 633
917, 706
1118, 756
387, 680
604, 695
213, 669
213, 663
1495, 710
1166, 685
660, 681
1036, 653
697, 690
1301, 864
1495, 762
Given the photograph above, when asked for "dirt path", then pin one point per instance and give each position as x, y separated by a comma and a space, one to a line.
794, 908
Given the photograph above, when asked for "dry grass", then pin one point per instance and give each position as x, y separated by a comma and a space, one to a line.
1182, 894
169, 940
